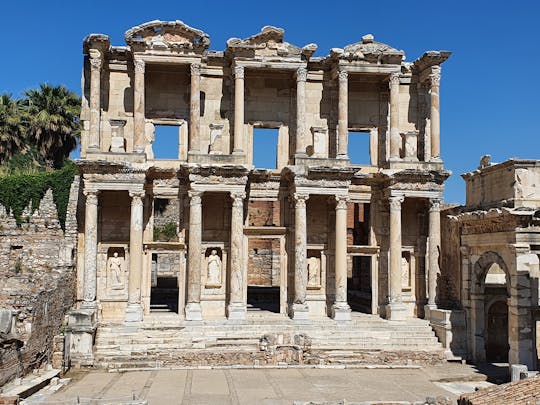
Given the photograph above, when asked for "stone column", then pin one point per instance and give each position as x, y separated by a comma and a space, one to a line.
134, 310
434, 247
138, 107
193, 307
395, 310
195, 108
394, 116
90, 249
341, 311
300, 310
435, 126
238, 110
343, 114
95, 98
237, 305
301, 77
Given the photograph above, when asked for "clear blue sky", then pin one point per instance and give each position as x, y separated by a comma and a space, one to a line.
490, 86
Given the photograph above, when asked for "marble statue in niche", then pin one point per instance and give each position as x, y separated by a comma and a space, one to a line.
405, 272
213, 265
314, 272
115, 267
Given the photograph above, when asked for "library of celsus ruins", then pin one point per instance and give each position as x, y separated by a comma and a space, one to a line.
207, 234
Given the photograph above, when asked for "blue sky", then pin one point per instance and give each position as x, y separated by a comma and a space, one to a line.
490, 86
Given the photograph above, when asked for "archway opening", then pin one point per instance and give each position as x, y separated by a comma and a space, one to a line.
496, 318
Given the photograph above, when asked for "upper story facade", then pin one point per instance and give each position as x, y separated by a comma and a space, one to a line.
167, 76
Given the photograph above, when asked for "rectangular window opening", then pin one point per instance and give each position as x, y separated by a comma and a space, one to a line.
359, 148
166, 139
265, 147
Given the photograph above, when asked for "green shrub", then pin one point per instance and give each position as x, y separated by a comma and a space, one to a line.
165, 233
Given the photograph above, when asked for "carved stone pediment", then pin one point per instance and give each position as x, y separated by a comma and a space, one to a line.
431, 58
268, 43
371, 51
167, 35
96, 41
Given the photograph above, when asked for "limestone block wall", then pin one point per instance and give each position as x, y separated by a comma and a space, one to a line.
37, 283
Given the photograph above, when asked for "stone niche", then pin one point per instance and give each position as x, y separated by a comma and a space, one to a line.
214, 268
316, 286
112, 278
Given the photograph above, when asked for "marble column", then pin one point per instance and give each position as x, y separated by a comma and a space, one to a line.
134, 310
341, 311
435, 126
300, 309
343, 114
237, 305
434, 248
95, 98
301, 78
395, 310
195, 109
193, 306
238, 145
90, 249
138, 107
394, 116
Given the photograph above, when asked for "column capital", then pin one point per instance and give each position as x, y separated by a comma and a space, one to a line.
238, 198
91, 196
96, 62
195, 197
435, 204
300, 200
137, 195
435, 79
239, 72
140, 65
343, 75
465, 250
341, 202
195, 69
394, 79
301, 74
395, 202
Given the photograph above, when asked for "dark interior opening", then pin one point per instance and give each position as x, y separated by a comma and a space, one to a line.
359, 285
263, 298
164, 295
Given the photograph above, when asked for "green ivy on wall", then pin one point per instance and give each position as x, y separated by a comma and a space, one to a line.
19, 190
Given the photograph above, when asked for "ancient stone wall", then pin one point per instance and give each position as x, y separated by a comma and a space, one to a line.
450, 279
37, 283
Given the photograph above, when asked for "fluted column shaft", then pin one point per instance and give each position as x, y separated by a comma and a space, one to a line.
395, 250
343, 114
341, 309
138, 106
237, 305
301, 78
394, 116
238, 145
90, 248
434, 249
95, 97
435, 125
195, 108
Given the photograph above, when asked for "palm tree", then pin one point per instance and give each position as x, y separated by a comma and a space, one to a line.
54, 125
13, 122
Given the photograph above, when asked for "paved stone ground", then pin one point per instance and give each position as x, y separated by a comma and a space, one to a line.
270, 386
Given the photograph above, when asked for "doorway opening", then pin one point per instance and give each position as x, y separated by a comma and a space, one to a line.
359, 284
265, 148
166, 140
264, 272
497, 333
359, 147
164, 289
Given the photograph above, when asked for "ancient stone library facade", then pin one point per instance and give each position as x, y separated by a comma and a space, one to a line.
208, 234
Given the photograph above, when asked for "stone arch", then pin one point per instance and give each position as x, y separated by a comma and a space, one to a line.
481, 267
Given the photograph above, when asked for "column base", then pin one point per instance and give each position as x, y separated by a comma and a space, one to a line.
134, 313
436, 159
237, 312
396, 311
341, 312
89, 305
299, 312
238, 152
193, 311
427, 310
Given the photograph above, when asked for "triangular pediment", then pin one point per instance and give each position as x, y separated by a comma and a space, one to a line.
167, 35
268, 43
369, 50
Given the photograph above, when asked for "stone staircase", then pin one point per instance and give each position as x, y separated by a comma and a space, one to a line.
265, 339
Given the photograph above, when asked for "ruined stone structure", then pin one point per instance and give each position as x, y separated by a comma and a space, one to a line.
491, 249
207, 235
37, 285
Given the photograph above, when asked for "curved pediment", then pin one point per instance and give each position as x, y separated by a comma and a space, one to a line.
167, 35
371, 51
268, 43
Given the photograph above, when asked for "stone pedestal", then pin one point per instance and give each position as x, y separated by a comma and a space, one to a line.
237, 312
134, 312
80, 332
341, 312
299, 312
396, 311
193, 311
